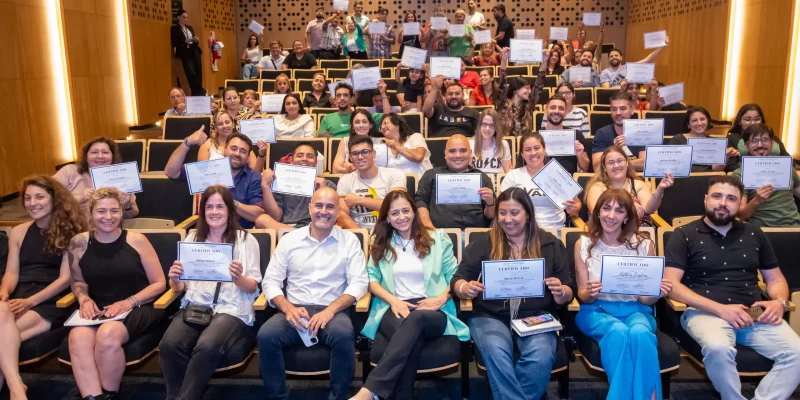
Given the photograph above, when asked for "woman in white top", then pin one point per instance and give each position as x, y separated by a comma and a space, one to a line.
490, 153
251, 55
190, 352
407, 150
548, 215
361, 123
293, 122
623, 325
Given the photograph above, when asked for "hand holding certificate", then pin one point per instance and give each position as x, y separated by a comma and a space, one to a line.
457, 30
661, 160
559, 143
377, 28
640, 72
458, 188
580, 74
592, 19
760, 171
341, 5
203, 174
258, 129
708, 151
643, 132
632, 275
526, 34
511, 279
294, 179
413, 57
410, 28
672, 94
256, 27
526, 50
272, 103
448, 67
439, 23
366, 78
654, 40
557, 183
558, 33
205, 261
482, 37
123, 177
198, 105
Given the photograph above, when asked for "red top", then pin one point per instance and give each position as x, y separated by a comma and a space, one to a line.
480, 98
494, 59
470, 79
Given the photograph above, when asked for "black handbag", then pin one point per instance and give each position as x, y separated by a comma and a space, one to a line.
200, 316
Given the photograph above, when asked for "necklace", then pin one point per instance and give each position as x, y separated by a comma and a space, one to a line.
401, 242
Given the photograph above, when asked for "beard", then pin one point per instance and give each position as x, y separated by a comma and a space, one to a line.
555, 119
720, 220
455, 103
614, 63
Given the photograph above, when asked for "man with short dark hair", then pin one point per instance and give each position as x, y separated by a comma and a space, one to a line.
314, 32
338, 124
505, 28
555, 110
613, 75
331, 43
358, 17
445, 120
585, 60
713, 264
185, 45
474, 17
622, 107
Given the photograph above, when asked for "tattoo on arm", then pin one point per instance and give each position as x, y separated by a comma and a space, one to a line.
77, 247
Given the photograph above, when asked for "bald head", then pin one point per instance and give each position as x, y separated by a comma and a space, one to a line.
323, 209
457, 153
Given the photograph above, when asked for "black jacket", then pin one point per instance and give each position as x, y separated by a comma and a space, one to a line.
178, 41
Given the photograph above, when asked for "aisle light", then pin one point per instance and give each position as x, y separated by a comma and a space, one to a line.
733, 55
61, 90
791, 110
126, 62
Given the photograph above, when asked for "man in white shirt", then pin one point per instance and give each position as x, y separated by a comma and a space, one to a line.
324, 270
357, 16
274, 60
362, 191
177, 97
475, 17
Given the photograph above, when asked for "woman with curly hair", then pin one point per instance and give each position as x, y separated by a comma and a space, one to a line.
37, 272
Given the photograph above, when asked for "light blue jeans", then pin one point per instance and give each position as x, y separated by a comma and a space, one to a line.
537, 353
717, 338
250, 71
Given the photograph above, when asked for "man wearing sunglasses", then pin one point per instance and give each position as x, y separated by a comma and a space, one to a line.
362, 191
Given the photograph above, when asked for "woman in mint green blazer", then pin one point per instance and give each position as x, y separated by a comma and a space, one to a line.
409, 269
354, 47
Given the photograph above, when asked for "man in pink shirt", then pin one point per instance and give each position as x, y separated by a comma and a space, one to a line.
314, 32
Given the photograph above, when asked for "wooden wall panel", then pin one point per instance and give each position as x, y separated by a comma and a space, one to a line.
150, 22
218, 16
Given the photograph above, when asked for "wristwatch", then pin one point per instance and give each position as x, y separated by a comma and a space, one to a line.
786, 305
186, 142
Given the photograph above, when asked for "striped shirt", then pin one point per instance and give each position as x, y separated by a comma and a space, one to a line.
576, 119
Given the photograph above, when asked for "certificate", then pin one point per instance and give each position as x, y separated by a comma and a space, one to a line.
558, 33
413, 57
592, 19
203, 261
654, 40
583, 74
483, 37
381, 154
557, 183
509, 279
439, 23
366, 78
341, 5
294, 179
526, 50
203, 174
559, 143
258, 129
526, 34
448, 67
332, 86
123, 177
76, 320
760, 171
458, 188
643, 132
198, 105
410, 28
640, 72
708, 151
377, 28
256, 27
661, 160
632, 275
457, 30
672, 94
272, 103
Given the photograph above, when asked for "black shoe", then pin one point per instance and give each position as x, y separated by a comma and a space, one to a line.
109, 395
98, 397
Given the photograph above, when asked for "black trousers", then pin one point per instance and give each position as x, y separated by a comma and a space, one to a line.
357, 55
393, 377
193, 67
325, 54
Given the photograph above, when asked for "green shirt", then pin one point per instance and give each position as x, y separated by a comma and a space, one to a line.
778, 210
338, 125
461, 46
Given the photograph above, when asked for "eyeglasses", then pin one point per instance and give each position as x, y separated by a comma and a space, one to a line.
612, 163
752, 120
487, 125
763, 139
567, 93
362, 153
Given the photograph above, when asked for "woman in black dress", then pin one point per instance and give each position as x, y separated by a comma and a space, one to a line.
409, 40
37, 273
113, 271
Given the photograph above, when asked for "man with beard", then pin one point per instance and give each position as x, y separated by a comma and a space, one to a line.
314, 32
247, 195
765, 206
574, 117
458, 156
554, 112
622, 108
613, 75
445, 120
585, 60
338, 124
474, 17
713, 264
505, 28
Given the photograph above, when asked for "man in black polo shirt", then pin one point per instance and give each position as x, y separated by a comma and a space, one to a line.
458, 156
505, 28
555, 111
713, 264
451, 117
622, 107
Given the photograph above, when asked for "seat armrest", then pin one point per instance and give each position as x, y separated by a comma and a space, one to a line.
188, 222
676, 305
166, 299
659, 221
362, 305
66, 301
574, 305
466, 305
261, 303
578, 222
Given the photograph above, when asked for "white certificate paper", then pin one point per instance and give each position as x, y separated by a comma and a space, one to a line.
366, 78
557, 183
377, 28
381, 154
203, 261
632, 275
592, 19
708, 151
123, 177
559, 143
558, 33
583, 74
640, 72
256, 27
672, 94
760, 171
258, 129
663, 159
341, 5
413, 57
526, 34
458, 188
509, 279
654, 40
439, 23
198, 105
202, 174
332, 86
292, 179
448, 67
643, 132
272, 103
457, 30
526, 50
410, 28
482, 37
76, 320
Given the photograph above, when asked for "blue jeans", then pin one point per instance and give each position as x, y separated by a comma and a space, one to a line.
277, 334
537, 353
717, 338
250, 71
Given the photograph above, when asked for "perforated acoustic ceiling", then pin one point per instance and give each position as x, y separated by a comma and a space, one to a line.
154, 10
651, 10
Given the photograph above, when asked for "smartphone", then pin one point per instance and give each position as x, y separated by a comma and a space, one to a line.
755, 312
533, 321
305, 335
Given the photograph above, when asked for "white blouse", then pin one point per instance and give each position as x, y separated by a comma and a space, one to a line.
214, 152
231, 301
399, 161
409, 278
301, 127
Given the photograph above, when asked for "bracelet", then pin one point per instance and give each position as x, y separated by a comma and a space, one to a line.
460, 287
134, 302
